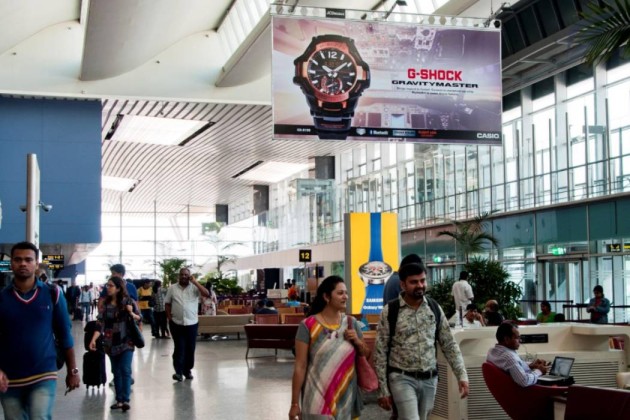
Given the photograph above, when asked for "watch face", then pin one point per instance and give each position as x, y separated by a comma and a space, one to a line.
331, 71
375, 272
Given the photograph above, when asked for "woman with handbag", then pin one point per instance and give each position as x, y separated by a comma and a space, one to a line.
325, 351
114, 314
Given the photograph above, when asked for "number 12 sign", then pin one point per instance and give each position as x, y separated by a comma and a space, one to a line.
305, 255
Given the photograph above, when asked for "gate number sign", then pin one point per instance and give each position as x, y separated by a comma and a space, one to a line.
305, 255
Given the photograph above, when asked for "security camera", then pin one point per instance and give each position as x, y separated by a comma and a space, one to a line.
23, 208
497, 24
47, 207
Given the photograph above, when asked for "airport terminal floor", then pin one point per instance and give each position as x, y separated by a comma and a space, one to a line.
225, 385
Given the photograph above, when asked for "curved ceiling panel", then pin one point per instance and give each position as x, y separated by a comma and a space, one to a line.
124, 34
20, 20
199, 173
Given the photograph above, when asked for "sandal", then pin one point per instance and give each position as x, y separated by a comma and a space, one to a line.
116, 406
125, 406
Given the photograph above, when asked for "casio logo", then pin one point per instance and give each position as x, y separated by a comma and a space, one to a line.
488, 135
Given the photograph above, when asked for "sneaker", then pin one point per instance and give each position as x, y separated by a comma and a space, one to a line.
188, 376
177, 377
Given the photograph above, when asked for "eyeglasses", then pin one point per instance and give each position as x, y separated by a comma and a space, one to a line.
110, 285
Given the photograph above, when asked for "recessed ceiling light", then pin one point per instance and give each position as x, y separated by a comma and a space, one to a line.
271, 172
117, 184
154, 130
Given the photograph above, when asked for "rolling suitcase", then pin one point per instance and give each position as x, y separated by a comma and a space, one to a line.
89, 330
94, 373
78, 314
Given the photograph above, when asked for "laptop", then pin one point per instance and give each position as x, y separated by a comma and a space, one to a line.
560, 371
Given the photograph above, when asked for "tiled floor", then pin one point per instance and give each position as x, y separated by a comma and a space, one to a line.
226, 386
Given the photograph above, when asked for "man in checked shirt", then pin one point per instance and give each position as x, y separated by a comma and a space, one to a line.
408, 377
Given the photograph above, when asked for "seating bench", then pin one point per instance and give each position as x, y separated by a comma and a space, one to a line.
270, 336
223, 324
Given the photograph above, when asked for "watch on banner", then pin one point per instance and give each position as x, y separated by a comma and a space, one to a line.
375, 272
332, 76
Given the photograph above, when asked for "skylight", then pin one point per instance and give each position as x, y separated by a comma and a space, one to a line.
272, 172
154, 130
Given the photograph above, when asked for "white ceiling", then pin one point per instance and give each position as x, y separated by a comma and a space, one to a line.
163, 59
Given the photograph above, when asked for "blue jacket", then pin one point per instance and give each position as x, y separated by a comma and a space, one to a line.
27, 346
392, 288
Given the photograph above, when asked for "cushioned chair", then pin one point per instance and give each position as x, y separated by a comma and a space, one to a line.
239, 311
266, 319
532, 402
292, 318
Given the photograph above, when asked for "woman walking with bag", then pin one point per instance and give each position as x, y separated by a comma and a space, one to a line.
113, 317
325, 352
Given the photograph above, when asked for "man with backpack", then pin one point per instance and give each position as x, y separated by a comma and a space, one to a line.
406, 348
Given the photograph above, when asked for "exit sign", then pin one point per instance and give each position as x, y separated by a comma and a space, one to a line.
558, 250
305, 255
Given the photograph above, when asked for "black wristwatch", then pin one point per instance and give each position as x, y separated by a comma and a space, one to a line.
332, 76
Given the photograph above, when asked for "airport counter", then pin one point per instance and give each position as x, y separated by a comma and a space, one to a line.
595, 363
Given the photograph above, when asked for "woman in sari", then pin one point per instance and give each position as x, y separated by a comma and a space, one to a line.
113, 315
325, 352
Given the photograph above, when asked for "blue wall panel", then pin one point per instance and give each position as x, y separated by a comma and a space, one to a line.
66, 137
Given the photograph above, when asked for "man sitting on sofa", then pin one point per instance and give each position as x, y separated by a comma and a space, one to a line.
504, 356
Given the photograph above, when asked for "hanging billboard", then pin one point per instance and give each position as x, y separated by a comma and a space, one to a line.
338, 79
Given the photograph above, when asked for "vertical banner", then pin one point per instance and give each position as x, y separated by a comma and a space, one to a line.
343, 79
372, 248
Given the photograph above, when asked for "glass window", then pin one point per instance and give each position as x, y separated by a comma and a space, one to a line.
618, 73
544, 102
618, 104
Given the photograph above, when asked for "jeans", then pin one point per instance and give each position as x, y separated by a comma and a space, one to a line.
86, 310
147, 318
121, 369
185, 340
413, 397
34, 402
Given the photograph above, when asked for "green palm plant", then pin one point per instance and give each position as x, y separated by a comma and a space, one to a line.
605, 29
470, 235
170, 270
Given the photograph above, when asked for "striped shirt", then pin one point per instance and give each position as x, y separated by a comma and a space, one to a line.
508, 360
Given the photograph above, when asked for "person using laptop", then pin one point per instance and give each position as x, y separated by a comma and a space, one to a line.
504, 356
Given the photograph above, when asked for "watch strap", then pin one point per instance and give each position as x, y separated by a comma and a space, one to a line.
376, 246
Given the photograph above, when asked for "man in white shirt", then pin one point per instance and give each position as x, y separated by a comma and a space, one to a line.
181, 304
462, 293
473, 318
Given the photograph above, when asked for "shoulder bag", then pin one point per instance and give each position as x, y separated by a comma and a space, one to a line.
366, 376
134, 333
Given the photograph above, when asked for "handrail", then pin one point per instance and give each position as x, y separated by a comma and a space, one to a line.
568, 309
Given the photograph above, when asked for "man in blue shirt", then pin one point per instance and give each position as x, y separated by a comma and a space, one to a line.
118, 270
392, 286
30, 311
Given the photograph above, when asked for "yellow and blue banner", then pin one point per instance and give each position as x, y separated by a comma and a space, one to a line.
372, 249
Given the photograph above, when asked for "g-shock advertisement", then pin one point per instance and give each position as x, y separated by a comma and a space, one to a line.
385, 81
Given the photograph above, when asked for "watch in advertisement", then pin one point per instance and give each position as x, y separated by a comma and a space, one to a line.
375, 272
332, 76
